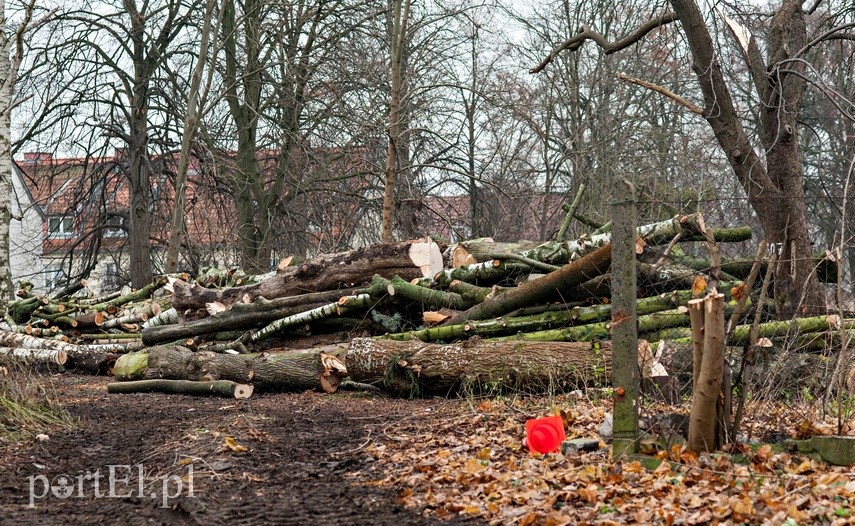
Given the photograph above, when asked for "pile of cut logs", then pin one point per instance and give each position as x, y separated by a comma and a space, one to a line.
407, 318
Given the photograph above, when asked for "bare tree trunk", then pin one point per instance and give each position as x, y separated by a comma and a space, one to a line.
9, 66
191, 121
244, 109
707, 317
774, 188
6, 171
139, 173
400, 19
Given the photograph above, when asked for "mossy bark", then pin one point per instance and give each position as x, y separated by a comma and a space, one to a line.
415, 368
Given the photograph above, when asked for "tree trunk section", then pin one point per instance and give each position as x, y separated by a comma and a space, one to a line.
408, 260
704, 423
224, 388
240, 316
273, 372
414, 368
552, 286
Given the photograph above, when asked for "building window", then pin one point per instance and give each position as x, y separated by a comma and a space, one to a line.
54, 276
115, 226
61, 227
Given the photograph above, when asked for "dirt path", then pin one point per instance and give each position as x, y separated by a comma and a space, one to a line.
302, 465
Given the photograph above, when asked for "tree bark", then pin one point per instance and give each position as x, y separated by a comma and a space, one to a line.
33, 356
409, 259
268, 372
224, 388
240, 316
549, 287
773, 329
704, 422
414, 368
400, 21
11, 55
191, 121
562, 252
88, 358
774, 188
576, 316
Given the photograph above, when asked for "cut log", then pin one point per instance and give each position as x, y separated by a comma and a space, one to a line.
408, 260
224, 388
145, 292
550, 287
574, 316
167, 317
92, 359
240, 316
826, 268
268, 372
344, 304
34, 356
558, 253
414, 368
770, 329
492, 269
430, 297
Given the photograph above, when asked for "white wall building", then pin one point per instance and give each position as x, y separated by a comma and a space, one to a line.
25, 235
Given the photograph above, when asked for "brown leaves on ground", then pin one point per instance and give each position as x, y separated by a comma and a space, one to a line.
475, 464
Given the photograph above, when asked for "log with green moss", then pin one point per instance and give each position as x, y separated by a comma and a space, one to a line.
602, 330
559, 253
268, 372
437, 299
772, 329
491, 270
415, 368
224, 388
740, 268
471, 292
135, 295
20, 311
552, 286
510, 325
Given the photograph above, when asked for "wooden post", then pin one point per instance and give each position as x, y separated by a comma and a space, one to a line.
625, 375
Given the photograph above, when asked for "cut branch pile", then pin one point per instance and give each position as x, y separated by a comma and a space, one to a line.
526, 316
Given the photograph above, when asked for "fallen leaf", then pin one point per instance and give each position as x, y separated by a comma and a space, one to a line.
234, 446
699, 285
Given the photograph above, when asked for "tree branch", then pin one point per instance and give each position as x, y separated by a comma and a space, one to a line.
586, 33
694, 108
831, 34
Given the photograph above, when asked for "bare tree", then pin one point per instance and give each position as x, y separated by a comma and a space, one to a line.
119, 51
191, 122
278, 94
770, 172
11, 56
398, 39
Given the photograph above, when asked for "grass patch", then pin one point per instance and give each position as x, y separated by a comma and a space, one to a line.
28, 406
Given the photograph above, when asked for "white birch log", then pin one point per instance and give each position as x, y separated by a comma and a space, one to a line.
31, 356
343, 305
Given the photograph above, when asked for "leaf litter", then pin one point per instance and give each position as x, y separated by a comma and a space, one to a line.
474, 463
